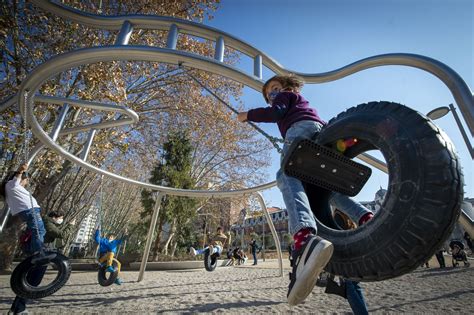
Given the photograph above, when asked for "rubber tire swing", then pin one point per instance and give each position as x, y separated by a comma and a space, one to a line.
422, 203
19, 278
102, 275
210, 261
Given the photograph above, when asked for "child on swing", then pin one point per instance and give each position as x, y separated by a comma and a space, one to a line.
295, 118
107, 249
23, 205
217, 244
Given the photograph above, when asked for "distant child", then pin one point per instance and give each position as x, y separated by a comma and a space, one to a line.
107, 249
56, 232
295, 118
216, 245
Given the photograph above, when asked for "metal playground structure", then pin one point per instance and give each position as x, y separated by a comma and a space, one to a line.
122, 51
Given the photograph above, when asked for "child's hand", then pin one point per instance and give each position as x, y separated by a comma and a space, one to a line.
242, 117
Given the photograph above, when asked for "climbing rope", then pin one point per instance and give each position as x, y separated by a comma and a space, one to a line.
274, 141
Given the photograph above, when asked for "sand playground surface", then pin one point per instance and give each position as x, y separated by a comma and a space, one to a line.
250, 289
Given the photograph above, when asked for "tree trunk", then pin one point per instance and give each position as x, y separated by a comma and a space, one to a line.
174, 243
170, 237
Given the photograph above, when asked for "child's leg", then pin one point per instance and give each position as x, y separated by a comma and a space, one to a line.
217, 249
349, 206
110, 257
119, 265
300, 215
201, 251
35, 224
103, 258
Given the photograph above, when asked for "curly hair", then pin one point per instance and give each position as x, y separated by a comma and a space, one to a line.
287, 81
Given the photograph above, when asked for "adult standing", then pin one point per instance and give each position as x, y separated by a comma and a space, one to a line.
253, 248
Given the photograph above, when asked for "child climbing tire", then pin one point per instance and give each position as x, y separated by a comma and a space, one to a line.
210, 261
19, 278
102, 274
423, 200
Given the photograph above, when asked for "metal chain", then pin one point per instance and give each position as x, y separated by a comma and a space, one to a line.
25, 128
274, 141
26, 152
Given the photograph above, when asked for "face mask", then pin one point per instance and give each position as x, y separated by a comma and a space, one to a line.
59, 221
272, 95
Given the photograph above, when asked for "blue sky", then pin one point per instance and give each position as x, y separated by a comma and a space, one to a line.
315, 36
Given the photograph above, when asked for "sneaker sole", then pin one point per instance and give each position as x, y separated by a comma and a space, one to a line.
301, 289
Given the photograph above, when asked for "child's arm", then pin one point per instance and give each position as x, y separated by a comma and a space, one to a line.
276, 112
97, 236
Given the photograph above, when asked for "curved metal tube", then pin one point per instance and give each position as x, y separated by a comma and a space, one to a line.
459, 89
142, 53
273, 230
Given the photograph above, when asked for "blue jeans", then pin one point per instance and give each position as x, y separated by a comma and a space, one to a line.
297, 204
255, 260
355, 297
37, 228
216, 249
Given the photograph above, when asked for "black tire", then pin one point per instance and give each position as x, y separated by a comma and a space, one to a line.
102, 275
422, 203
210, 261
24, 289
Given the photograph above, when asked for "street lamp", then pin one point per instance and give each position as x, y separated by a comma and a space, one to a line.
443, 111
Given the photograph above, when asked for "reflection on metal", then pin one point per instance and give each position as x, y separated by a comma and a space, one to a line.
219, 53
463, 132
125, 33
272, 229
172, 40
257, 67
369, 159
466, 218
5, 212
149, 238
87, 145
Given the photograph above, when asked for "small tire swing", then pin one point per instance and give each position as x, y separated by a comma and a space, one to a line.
210, 260
20, 281
102, 277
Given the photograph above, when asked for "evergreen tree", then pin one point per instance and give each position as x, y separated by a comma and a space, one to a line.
174, 170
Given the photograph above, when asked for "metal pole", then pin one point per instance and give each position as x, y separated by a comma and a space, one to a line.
461, 129
54, 134
87, 146
172, 37
273, 230
59, 122
125, 33
6, 210
219, 53
257, 66
263, 241
149, 237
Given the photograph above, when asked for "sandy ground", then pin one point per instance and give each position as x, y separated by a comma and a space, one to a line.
250, 289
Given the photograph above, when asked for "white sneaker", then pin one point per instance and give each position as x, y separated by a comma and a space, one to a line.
192, 251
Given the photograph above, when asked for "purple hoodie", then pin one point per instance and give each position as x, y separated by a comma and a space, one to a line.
287, 108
